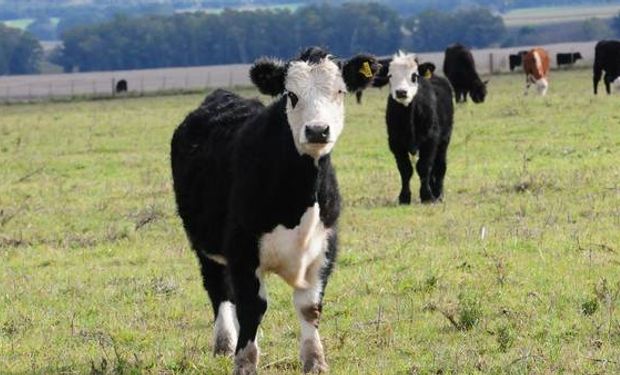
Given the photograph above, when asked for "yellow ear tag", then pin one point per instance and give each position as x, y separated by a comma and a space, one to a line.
428, 74
365, 70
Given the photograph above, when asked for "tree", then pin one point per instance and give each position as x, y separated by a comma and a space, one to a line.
435, 30
43, 28
615, 25
20, 52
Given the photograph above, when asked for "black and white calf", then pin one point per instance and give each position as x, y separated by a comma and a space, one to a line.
257, 194
419, 120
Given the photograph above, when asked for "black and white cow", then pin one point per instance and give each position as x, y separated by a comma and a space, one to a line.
607, 59
419, 119
460, 68
515, 60
257, 194
567, 58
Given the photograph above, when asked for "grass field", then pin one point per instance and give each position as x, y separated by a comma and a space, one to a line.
517, 271
547, 15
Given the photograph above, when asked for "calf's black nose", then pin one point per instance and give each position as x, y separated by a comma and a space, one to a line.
317, 133
401, 94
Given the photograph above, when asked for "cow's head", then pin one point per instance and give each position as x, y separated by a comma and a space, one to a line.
478, 91
314, 86
403, 75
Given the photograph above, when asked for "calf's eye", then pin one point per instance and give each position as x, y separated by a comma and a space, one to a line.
293, 97
414, 77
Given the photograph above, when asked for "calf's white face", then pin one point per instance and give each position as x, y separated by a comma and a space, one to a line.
315, 105
404, 76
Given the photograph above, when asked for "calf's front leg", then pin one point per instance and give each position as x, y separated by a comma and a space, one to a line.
424, 167
403, 162
251, 303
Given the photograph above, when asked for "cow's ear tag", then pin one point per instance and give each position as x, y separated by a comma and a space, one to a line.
428, 74
365, 70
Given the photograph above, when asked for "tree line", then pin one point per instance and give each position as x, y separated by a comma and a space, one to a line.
241, 36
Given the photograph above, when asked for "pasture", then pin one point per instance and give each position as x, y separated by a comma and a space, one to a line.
515, 272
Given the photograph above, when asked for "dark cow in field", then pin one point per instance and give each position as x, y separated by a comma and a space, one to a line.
121, 86
379, 80
419, 120
515, 60
567, 58
257, 194
426, 70
607, 59
536, 67
460, 68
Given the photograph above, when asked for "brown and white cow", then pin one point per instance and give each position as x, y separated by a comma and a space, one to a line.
536, 67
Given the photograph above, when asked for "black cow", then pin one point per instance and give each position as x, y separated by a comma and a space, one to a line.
567, 58
379, 80
607, 59
257, 193
516, 60
460, 68
419, 119
121, 86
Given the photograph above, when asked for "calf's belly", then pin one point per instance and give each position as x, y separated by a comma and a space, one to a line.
296, 254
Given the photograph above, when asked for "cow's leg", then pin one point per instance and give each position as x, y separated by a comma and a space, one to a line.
358, 96
438, 171
424, 167
527, 84
251, 301
458, 95
403, 162
607, 81
596, 77
309, 305
215, 281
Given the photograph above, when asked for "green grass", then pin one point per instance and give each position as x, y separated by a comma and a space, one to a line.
559, 14
516, 272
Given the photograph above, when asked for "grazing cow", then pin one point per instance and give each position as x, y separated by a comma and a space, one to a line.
257, 194
607, 59
419, 119
516, 60
567, 58
379, 80
460, 68
536, 67
121, 86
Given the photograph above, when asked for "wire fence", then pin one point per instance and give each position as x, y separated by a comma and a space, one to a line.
46, 87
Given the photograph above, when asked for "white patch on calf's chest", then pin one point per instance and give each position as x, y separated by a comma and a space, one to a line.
295, 254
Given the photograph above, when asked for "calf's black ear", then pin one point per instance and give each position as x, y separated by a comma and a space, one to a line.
359, 71
268, 76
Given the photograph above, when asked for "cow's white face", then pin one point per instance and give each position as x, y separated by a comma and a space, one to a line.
315, 105
403, 74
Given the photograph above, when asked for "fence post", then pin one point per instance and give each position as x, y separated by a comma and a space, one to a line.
113, 86
72, 88
230, 78
94, 88
491, 63
141, 85
208, 81
164, 83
